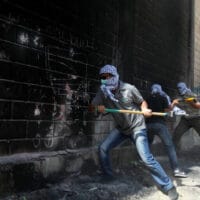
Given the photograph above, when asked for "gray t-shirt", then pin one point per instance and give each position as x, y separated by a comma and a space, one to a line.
129, 99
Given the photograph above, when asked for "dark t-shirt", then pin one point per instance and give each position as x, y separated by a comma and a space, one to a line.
157, 103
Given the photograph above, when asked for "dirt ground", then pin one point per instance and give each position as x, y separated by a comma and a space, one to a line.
133, 183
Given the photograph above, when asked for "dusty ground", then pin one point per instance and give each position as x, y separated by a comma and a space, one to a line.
133, 183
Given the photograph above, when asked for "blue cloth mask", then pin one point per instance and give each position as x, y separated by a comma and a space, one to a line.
182, 88
157, 89
108, 85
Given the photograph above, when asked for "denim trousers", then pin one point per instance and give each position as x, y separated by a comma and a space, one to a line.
139, 138
162, 132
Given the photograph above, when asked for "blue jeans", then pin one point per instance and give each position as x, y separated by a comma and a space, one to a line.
139, 138
161, 130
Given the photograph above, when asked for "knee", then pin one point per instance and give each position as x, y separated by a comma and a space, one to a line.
148, 160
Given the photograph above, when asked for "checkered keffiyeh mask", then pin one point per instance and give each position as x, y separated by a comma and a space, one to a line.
182, 88
157, 89
109, 84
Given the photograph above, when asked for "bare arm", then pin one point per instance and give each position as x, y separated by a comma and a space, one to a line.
174, 103
144, 107
193, 103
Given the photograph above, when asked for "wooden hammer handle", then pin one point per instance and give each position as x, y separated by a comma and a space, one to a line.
134, 112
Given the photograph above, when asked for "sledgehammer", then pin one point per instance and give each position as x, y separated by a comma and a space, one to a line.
111, 110
137, 112
189, 99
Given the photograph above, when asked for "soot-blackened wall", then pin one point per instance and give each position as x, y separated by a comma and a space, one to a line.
51, 52
50, 55
159, 45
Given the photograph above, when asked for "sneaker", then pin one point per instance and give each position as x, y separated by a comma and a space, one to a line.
172, 194
180, 174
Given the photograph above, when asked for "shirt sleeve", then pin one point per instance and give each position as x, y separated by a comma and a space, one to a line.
137, 97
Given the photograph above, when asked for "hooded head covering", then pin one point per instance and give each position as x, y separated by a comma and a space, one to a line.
157, 89
108, 69
182, 88
109, 84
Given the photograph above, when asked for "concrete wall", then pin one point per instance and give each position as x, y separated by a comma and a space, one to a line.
50, 62
50, 55
160, 47
192, 138
197, 46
